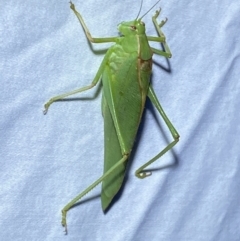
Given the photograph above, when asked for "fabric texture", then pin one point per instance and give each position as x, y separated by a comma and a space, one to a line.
46, 160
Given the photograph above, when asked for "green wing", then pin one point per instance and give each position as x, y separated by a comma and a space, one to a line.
123, 101
112, 154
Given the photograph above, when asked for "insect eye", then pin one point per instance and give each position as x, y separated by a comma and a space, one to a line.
133, 27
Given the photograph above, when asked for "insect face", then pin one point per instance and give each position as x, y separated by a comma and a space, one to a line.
135, 27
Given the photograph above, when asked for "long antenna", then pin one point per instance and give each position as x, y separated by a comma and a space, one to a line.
139, 9
150, 9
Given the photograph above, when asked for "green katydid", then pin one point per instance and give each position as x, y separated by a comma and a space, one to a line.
125, 73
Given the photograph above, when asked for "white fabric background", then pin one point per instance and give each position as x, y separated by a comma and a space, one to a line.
47, 160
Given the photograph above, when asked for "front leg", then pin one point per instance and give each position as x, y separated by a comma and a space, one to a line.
89, 36
162, 39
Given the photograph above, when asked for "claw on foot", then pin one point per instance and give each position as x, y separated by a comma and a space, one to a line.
163, 22
143, 174
65, 229
45, 109
64, 221
72, 6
